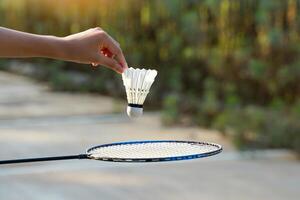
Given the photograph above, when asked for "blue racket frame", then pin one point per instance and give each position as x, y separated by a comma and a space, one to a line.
164, 159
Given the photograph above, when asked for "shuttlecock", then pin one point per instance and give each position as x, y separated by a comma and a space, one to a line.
137, 83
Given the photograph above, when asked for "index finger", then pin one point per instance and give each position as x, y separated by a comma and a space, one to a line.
115, 49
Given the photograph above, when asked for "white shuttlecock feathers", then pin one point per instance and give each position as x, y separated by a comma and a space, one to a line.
137, 83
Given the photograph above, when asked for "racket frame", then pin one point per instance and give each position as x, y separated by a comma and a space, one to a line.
161, 159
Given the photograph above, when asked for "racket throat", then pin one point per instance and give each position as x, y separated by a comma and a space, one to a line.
83, 156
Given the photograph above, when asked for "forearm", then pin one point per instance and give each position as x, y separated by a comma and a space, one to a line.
19, 44
93, 46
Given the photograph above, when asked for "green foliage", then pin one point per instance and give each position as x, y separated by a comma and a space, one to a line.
3, 64
171, 113
257, 69
256, 127
233, 65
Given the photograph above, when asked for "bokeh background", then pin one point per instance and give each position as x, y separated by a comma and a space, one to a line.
229, 66
220, 63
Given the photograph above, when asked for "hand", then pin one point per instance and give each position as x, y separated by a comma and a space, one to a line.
96, 47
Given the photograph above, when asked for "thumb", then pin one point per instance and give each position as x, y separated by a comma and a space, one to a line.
110, 63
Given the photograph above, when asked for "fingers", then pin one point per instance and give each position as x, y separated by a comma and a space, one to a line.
107, 53
114, 48
110, 63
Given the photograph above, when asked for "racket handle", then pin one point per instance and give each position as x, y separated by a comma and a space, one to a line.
26, 160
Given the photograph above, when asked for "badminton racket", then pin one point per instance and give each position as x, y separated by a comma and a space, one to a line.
138, 151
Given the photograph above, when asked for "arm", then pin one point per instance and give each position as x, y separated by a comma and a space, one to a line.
85, 47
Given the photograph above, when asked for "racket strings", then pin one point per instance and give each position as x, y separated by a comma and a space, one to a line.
152, 150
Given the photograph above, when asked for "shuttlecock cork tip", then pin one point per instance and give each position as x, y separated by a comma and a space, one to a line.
134, 110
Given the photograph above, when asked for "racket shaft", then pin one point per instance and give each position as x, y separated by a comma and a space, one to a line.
42, 159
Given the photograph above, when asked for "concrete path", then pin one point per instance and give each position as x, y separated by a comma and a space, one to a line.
37, 122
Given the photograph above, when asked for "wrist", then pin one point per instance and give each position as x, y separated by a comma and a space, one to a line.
57, 48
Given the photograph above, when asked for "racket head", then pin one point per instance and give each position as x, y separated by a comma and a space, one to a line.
153, 151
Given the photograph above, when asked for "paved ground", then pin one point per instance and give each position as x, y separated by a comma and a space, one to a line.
37, 122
